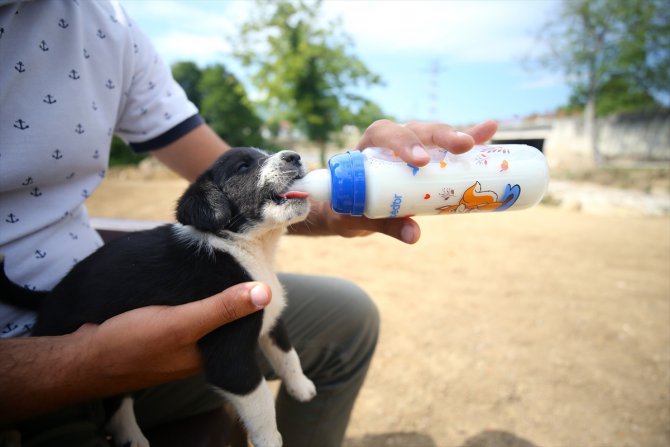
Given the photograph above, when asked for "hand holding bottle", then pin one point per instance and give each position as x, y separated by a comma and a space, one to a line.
409, 142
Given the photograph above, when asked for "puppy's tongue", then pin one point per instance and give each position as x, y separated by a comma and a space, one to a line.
294, 195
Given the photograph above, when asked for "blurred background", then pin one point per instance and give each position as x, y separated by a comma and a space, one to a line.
547, 327
588, 80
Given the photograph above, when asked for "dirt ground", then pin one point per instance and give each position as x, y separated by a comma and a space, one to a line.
537, 328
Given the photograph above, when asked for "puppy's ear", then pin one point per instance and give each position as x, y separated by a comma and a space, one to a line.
203, 206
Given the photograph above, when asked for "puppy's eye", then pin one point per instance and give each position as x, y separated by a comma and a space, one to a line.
242, 167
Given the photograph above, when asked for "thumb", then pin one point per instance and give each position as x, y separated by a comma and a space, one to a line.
404, 229
203, 316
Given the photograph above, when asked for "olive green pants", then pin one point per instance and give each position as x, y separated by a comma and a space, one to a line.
333, 326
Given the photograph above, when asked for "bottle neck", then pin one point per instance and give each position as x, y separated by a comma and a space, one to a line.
347, 173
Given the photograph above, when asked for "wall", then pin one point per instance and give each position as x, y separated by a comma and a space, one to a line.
635, 137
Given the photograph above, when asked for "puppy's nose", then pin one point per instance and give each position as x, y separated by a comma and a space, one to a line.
291, 157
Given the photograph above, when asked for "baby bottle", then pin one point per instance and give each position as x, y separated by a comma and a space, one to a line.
376, 183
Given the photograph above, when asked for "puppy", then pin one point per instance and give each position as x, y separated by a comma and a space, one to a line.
230, 221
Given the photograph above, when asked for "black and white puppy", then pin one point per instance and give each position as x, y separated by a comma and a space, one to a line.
230, 220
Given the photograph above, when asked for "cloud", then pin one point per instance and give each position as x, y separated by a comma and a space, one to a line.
194, 31
201, 49
463, 31
468, 31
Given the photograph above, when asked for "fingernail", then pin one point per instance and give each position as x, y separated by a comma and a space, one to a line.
407, 234
418, 152
259, 296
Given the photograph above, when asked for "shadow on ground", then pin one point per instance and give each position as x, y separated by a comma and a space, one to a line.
496, 438
489, 438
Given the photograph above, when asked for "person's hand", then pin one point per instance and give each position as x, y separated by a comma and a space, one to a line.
409, 142
133, 350
157, 344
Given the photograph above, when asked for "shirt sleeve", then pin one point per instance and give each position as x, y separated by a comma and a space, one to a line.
155, 111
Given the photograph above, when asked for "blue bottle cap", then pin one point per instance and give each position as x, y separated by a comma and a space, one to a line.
347, 177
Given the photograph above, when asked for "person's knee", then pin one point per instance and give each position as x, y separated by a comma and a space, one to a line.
334, 325
361, 316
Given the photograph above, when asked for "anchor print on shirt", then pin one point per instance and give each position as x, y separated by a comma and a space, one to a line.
57, 154
12, 218
10, 327
43, 46
21, 125
49, 99
86, 54
27, 182
74, 75
79, 129
39, 254
35, 192
63, 24
20, 67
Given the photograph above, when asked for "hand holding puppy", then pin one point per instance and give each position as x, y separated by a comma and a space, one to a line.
133, 350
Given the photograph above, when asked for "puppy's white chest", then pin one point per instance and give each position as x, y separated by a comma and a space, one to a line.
258, 260
264, 272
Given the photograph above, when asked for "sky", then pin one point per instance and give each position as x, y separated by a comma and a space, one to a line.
459, 62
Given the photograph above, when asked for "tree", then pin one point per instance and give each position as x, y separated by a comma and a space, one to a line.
615, 53
367, 112
223, 102
188, 75
303, 69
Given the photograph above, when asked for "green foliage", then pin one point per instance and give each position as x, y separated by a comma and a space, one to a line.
188, 75
364, 115
222, 101
617, 52
121, 154
303, 68
617, 95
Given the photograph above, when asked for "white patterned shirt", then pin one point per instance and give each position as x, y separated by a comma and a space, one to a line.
72, 74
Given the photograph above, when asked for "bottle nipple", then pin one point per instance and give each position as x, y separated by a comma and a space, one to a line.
316, 184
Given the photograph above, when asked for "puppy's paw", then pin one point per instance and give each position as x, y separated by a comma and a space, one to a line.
301, 388
137, 442
266, 439
131, 439
123, 426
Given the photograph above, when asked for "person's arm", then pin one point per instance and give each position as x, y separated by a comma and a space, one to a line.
133, 350
193, 153
408, 141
